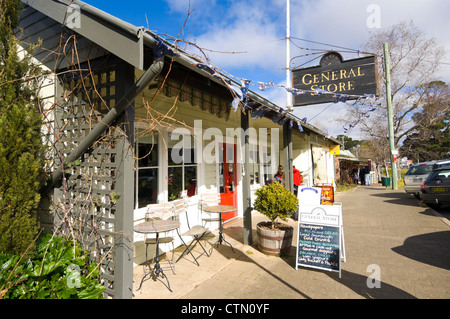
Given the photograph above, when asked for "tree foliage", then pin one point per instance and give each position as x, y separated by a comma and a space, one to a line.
430, 136
415, 58
20, 138
349, 143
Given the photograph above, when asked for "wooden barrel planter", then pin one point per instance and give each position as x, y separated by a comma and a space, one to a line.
274, 242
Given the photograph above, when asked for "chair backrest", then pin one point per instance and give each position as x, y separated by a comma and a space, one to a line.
210, 199
159, 211
179, 206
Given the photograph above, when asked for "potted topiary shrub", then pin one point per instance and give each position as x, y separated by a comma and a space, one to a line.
276, 202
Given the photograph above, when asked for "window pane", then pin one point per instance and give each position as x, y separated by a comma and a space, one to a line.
175, 182
189, 155
175, 149
148, 155
253, 164
147, 148
190, 180
147, 186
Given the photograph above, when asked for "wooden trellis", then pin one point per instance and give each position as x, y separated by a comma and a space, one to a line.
94, 201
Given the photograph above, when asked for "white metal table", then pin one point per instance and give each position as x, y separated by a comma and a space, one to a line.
156, 227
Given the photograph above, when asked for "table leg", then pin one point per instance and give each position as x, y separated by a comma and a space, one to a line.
157, 270
221, 236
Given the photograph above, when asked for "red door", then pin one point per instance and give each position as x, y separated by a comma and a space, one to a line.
227, 177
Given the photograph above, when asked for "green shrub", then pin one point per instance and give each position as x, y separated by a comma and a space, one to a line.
21, 165
275, 201
59, 270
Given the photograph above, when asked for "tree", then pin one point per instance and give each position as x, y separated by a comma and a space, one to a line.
430, 137
349, 143
414, 60
20, 138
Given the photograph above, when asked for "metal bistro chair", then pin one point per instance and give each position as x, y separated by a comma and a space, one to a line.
209, 199
197, 232
158, 212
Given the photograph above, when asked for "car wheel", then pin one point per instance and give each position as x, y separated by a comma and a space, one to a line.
434, 205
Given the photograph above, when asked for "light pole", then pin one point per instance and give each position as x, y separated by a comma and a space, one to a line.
288, 57
390, 117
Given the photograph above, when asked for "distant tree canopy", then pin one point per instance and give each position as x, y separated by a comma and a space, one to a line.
415, 58
349, 143
430, 135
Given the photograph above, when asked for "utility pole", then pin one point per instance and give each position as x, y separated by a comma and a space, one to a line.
390, 117
288, 56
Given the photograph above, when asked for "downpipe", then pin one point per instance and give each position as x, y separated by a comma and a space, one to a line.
152, 72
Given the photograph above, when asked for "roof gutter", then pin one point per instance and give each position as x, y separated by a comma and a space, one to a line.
152, 72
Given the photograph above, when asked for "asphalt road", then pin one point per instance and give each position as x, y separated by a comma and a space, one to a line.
444, 211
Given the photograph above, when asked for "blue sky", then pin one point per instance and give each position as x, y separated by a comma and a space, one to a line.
255, 31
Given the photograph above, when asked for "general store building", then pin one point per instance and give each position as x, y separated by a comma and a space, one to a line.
123, 111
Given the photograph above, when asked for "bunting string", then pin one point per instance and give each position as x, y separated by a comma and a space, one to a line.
281, 116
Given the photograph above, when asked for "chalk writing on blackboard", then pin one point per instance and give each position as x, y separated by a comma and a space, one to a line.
318, 246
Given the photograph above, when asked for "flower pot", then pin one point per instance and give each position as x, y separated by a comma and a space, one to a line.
274, 241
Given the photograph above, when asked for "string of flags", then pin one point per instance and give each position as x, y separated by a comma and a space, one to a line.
280, 117
369, 101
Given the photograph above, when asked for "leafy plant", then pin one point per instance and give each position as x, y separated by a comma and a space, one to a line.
275, 201
60, 270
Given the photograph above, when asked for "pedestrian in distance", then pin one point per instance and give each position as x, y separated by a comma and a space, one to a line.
279, 176
297, 179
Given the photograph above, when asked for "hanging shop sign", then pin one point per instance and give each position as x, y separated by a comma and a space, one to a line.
335, 149
350, 79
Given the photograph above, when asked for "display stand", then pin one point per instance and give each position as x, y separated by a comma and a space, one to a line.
320, 236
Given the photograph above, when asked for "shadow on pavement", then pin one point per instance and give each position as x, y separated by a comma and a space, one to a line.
236, 232
355, 282
358, 283
431, 249
399, 198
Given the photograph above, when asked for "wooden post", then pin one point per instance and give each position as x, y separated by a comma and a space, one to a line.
247, 203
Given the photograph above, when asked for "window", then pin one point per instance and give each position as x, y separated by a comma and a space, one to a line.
147, 171
182, 171
253, 164
267, 165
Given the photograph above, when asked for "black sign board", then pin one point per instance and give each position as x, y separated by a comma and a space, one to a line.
318, 246
354, 78
320, 236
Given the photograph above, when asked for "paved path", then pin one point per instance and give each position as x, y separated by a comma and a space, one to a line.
385, 230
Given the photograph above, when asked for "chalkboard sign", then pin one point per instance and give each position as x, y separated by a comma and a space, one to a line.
319, 237
319, 246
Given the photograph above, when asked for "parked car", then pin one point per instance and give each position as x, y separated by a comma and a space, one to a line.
436, 188
415, 176
418, 173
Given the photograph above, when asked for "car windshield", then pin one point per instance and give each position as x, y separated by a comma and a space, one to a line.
420, 170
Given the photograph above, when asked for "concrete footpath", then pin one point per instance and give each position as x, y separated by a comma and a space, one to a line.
387, 234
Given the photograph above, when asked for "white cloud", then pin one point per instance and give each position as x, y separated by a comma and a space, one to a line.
248, 29
255, 27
